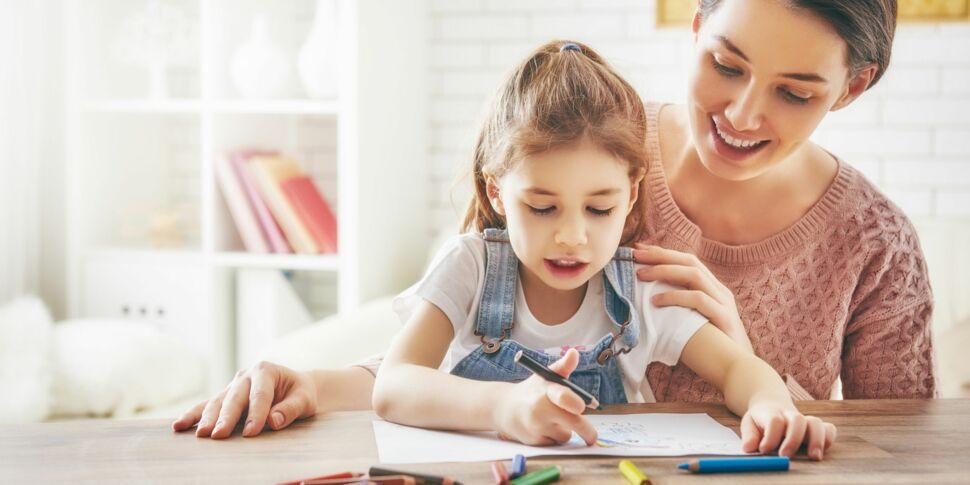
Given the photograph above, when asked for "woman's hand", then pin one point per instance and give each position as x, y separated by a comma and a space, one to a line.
265, 394
767, 427
703, 291
540, 413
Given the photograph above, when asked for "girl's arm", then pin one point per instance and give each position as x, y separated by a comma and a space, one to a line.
411, 390
754, 390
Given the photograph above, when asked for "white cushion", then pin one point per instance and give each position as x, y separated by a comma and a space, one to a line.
105, 367
25, 370
338, 340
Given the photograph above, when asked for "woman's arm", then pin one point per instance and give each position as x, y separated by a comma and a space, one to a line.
411, 390
754, 390
890, 356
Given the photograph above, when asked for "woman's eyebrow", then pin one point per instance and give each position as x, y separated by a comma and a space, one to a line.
798, 76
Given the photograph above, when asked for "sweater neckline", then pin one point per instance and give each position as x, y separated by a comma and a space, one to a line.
675, 222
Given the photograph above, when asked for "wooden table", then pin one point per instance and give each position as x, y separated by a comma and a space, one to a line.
889, 441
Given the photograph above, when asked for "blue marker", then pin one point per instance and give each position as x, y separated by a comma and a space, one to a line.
729, 465
518, 466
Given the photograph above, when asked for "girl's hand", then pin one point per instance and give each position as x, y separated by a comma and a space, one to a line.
766, 427
540, 413
266, 394
703, 291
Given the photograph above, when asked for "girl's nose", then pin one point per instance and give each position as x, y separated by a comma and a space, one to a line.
571, 233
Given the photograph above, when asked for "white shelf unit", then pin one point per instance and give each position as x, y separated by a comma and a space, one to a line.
142, 195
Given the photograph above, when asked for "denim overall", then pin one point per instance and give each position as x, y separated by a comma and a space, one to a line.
597, 371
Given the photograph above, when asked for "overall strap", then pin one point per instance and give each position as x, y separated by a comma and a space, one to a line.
619, 291
496, 306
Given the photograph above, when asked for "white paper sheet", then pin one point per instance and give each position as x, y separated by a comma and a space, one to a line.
619, 435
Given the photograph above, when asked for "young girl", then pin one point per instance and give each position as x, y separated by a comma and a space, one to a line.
557, 169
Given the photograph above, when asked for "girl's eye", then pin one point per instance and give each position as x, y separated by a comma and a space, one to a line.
725, 70
794, 98
600, 212
541, 211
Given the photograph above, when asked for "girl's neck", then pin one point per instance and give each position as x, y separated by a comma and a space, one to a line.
549, 305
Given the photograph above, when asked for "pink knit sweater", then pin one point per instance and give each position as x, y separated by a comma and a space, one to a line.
843, 291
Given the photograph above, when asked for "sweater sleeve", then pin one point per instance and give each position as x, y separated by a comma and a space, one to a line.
891, 357
888, 345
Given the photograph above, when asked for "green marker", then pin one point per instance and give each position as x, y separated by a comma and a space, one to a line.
546, 475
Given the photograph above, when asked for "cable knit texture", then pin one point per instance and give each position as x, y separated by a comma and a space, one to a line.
844, 290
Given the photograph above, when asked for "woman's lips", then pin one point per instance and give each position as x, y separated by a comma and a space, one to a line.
731, 152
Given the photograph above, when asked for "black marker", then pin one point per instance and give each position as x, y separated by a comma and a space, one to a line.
549, 375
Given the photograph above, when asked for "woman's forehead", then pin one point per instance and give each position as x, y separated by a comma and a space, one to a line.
774, 36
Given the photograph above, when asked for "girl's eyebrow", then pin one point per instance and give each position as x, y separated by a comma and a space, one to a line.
798, 76
541, 191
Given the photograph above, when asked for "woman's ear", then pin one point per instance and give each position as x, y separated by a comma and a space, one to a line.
857, 85
494, 196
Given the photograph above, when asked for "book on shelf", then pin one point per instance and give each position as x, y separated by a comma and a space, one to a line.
239, 207
270, 229
313, 210
269, 172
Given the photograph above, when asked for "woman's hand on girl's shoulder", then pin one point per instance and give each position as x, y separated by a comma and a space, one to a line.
765, 428
702, 291
265, 394
540, 413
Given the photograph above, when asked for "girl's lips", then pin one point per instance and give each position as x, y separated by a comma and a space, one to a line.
564, 271
730, 152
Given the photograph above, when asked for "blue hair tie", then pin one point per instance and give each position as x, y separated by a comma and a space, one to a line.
570, 47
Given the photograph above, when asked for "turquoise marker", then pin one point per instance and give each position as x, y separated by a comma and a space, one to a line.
731, 465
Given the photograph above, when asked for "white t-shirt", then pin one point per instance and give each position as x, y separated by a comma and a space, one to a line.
454, 282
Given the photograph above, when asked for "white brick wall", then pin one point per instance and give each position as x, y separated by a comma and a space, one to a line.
910, 134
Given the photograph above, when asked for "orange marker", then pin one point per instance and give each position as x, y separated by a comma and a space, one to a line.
500, 473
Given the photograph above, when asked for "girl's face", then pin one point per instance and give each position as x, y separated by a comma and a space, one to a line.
565, 210
763, 78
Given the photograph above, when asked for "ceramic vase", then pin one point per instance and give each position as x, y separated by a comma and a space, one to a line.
316, 61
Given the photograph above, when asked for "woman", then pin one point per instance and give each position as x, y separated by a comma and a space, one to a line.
780, 244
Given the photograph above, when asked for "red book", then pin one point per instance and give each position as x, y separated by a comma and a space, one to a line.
313, 210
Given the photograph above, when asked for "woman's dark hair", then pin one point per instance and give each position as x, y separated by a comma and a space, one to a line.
866, 26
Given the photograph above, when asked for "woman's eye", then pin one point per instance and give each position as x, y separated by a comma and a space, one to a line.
725, 70
794, 98
541, 211
600, 212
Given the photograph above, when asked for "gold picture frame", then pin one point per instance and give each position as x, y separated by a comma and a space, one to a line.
680, 12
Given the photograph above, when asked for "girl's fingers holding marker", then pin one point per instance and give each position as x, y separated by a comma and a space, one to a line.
565, 399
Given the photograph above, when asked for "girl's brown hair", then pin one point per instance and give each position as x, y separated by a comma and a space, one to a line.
562, 92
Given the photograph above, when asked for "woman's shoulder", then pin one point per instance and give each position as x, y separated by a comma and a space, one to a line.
874, 215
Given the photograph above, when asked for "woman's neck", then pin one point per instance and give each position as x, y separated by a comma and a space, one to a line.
742, 212
549, 305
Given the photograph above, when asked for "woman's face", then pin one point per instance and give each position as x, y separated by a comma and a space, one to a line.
764, 76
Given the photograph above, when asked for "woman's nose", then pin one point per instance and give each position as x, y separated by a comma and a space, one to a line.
744, 113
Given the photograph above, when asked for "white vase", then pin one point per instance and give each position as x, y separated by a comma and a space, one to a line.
316, 62
259, 68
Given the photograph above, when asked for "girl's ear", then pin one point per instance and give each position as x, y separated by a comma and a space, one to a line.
635, 189
494, 196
